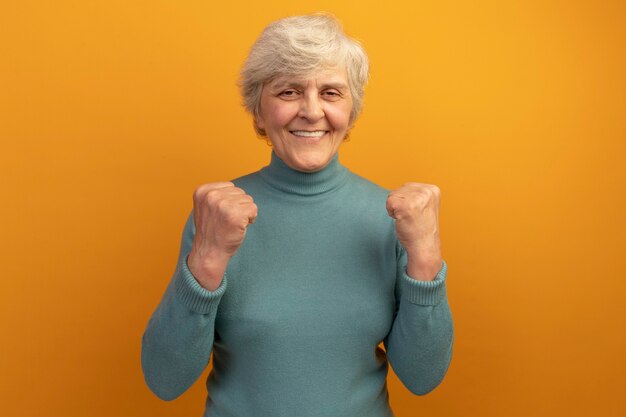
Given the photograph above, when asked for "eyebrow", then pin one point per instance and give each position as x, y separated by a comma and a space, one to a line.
337, 86
298, 84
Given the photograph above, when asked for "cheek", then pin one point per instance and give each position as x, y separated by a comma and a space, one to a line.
279, 114
339, 117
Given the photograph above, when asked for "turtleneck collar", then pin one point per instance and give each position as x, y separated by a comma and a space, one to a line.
278, 175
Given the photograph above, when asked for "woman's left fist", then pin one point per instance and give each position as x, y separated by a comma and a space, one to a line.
415, 207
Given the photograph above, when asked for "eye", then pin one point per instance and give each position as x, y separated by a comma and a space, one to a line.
331, 95
288, 94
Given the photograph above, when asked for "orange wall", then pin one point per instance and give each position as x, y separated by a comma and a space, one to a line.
112, 112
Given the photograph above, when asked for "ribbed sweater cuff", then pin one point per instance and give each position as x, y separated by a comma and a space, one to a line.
427, 293
193, 295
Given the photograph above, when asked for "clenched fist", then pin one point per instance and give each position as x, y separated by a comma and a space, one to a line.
221, 214
415, 208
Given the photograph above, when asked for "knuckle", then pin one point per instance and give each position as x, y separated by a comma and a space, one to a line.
231, 217
420, 195
415, 205
213, 195
429, 191
426, 193
198, 192
413, 185
221, 205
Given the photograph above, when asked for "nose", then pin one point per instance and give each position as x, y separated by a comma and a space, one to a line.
311, 108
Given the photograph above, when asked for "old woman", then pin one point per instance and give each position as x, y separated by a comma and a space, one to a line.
292, 276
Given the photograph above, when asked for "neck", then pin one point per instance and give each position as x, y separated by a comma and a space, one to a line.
280, 176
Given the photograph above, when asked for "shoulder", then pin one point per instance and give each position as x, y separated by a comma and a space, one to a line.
247, 181
366, 197
367, 187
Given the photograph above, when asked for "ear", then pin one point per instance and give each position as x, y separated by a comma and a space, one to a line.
351, 123
259, 123
259, 126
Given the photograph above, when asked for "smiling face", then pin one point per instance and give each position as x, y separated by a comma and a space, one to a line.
306, 119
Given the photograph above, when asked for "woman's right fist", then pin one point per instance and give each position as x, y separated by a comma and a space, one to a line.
221, 214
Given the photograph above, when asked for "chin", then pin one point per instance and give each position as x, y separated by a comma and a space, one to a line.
311, 163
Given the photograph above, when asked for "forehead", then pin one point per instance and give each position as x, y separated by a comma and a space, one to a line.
336, 77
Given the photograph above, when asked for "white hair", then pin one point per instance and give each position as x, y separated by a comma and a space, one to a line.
299, 46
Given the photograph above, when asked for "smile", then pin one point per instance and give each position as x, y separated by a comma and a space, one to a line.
308, 134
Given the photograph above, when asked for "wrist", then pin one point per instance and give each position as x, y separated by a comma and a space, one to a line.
208, 267
424, 265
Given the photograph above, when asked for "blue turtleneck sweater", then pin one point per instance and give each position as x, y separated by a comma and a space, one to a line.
295, 326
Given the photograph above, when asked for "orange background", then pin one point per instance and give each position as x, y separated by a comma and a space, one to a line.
112, 112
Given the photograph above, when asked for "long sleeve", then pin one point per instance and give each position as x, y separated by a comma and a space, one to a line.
178, 339
419, 345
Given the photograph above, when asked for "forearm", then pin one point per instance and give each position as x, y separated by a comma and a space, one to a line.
419, 346
178, 339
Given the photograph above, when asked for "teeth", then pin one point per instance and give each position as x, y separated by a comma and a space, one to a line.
307, 134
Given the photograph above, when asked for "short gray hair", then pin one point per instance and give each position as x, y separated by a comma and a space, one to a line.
299, 46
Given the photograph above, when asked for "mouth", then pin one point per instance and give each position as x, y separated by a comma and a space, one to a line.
308, 133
